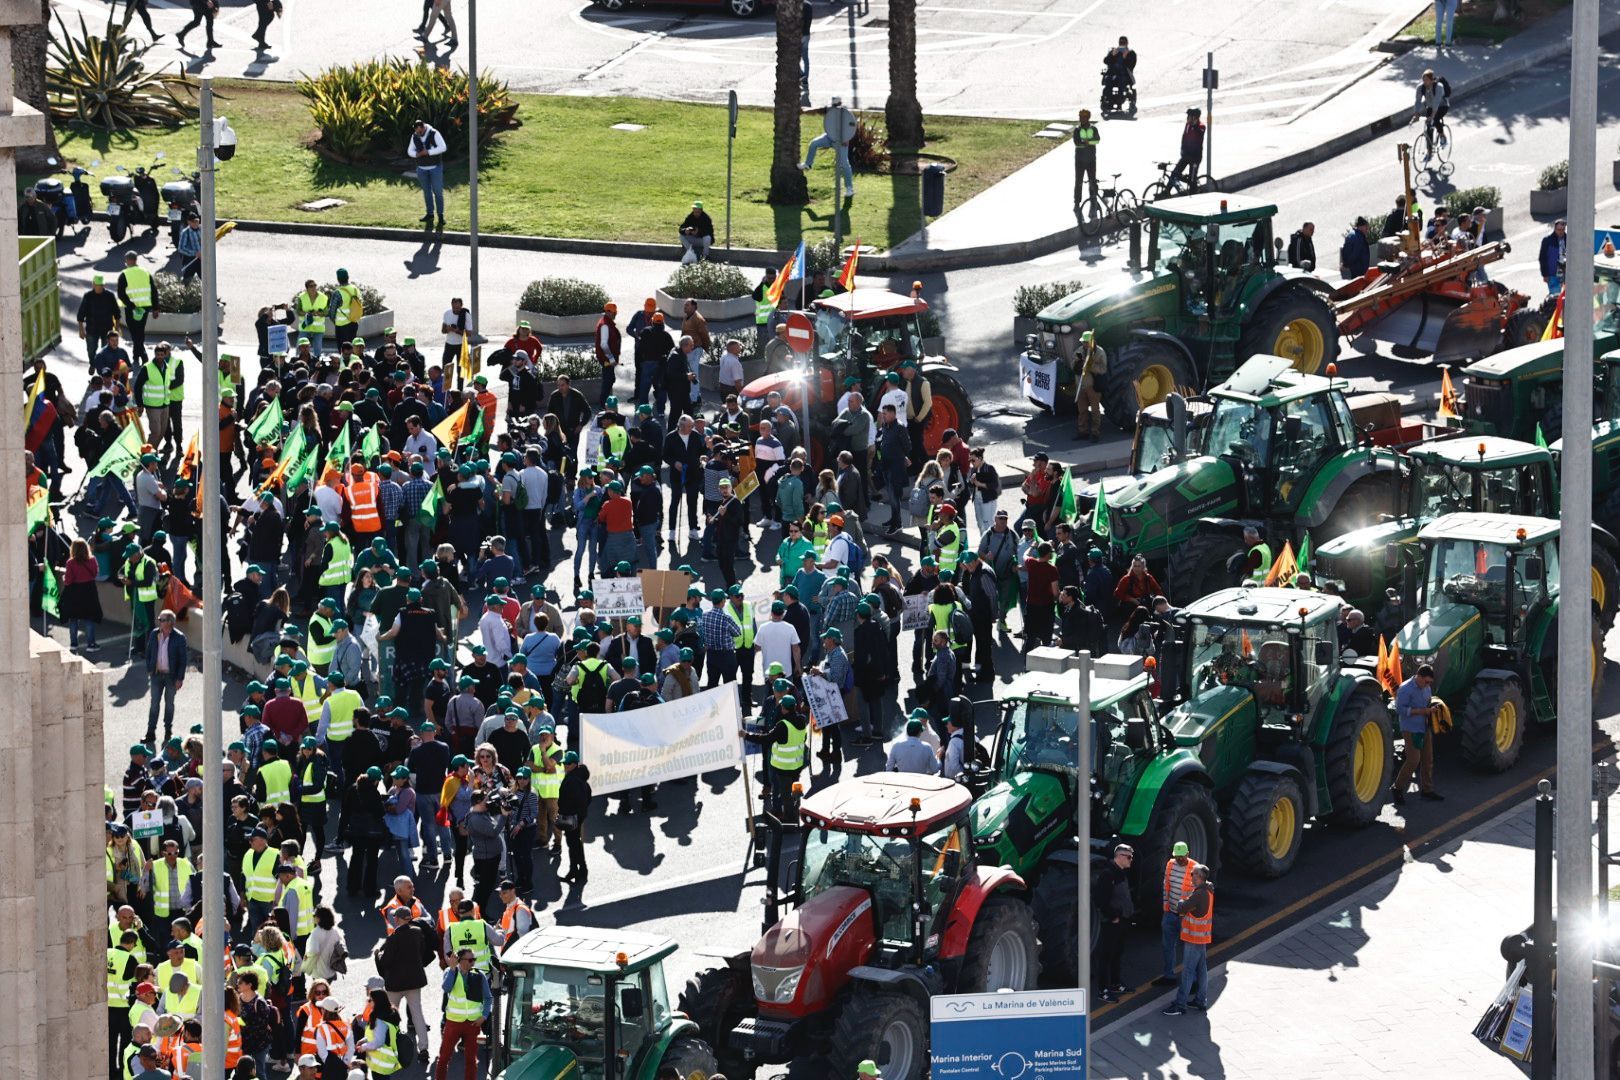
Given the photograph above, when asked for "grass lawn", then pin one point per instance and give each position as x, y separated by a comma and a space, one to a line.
1474, 20
565, 172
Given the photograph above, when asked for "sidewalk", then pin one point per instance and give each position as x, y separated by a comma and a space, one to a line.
1029, 214
1388, 983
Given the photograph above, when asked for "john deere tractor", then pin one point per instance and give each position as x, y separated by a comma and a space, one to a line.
1282, 451
1489, 627
1484, 474
592, 1004
1214, 295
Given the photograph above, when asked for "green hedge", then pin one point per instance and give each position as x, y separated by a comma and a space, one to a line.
1554, 177
366, 111
708, 281
177, 297
563, 297
1031, 300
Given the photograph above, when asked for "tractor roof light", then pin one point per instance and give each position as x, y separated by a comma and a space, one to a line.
621, 959
1332, 371
798, 789
1521, 534
1297, 719
1150, 664
1482, 451
1303, 611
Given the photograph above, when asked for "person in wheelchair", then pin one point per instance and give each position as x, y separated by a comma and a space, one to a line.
1119, 69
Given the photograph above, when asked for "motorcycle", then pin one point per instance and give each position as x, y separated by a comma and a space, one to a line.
131, 200
69, 204
181, 195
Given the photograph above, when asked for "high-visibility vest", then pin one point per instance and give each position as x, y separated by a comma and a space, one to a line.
384, 1060
347, 295
818, 539
589, 668
308, 691
155, 390
304, 889
312, 312
311, 1012
185, 1006
745, 619
309, 791
471, 934
141, 1013
277, 777
762, 311
226, 382
261, 878
233, 1039
1196, 929
547, 785
1260, 572
940, 616
789, 756
177, 386
320, 652
1178, 883
161, 886
950, 547
340, 724
509, 918
1085, 135
117, 985
138, 287
114, 932
363, 505
143, 573
339, 562
272, 966
417, 912
131, 1052
337, 1036
459, 1007
614, 442
448, 918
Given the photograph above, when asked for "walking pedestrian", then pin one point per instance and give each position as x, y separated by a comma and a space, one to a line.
202, 12
402, 961
573, 803
467, 1000
167, 657
1415, 708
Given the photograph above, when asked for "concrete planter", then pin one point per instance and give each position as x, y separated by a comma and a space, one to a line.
709, 373
172, 324
1022, 328
674, 307
370, 325
1545, 203
559, 326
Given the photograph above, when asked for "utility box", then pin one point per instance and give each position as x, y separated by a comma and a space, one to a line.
41, 298
933, 190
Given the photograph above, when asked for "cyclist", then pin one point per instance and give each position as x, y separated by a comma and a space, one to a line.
1192, 152
1433, 101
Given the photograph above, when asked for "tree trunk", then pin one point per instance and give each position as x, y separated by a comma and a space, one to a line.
28, 51
788, 187
903, 112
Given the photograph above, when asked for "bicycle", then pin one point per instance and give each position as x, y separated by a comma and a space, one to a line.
1167, 187
1113, 202
1434, 145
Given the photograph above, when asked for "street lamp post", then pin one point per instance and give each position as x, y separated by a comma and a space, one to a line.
1082, 817
472, 161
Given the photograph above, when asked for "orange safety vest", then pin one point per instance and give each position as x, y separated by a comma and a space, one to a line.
417, 912
363, 505
1196, 929
338, 1031
311, 1013
233, 1039
508, 920
487, 402
1173, 898
447, 918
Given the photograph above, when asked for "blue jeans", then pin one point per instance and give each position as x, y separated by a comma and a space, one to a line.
162, 695
427, 818
89, 629
105, 487
1169, 937
431, 177
1445, 21
316, 340
585, 543
1194, 972
647, 539
824, 142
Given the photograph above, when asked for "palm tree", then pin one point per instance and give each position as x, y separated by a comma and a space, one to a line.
28, 45
787, 181
903, 112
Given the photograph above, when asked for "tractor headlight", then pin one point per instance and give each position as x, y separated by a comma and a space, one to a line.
776, 986
752, 403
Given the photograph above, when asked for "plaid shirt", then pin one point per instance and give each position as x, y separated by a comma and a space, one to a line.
837, 665
840, 609
390, 497
718, 630
415, 490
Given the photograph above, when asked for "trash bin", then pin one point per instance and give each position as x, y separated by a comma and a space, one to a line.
933, 190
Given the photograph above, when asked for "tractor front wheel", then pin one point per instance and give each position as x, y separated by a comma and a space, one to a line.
1200, 566
1265, 824
1003, 951
716, 1000
1056, 900
1523, 327
888, 1028
1145, 372
951, 410
1358, 756
692, 1058
1492, 729
1295, 324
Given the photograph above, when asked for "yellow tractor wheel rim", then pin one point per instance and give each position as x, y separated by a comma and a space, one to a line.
1280, 829
1154, 385
1600, 593
1368, 771
1300, 342
1507, 725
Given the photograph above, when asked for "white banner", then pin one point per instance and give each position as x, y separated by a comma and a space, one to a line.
825, 701
1039, 380
694, 735
618, 597
914, 613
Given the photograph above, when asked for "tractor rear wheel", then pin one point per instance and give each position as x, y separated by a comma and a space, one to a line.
1491, 732
1523, 327
951, 409
1186, 814
692, 1057
1549, 662
1360, 749
1145, 372
1605, 586
1608, 514
716, 1000
1360, 506
1295, 324
886, 1027
1056, 900
1199, 567
1265, 824
1003, 951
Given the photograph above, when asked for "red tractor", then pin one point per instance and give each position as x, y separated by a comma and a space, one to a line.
890, 908
864, 334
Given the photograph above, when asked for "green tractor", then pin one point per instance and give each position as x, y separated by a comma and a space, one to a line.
1483, 474
1489, 628
1214, 295
592, 1004
1145, 791
1282, 451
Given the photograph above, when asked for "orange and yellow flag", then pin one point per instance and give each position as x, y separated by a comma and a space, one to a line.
846, 276
1283, 571
1448, 396
1396, 675
453, 427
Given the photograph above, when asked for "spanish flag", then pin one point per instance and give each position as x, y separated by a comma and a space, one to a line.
846, 276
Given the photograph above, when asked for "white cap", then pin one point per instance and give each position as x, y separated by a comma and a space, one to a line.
309, 1061
326, 1004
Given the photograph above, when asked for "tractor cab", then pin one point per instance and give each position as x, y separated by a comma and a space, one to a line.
1155, 444
1280, 645
1486, 474
874, 327
1498, 565
1210, 243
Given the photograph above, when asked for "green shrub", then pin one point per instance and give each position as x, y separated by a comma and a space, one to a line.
1554, 177
1031, 300
1464, 201
576, 362
708, 281
365, 111
371, 298
102, 81
175, 296
563, 296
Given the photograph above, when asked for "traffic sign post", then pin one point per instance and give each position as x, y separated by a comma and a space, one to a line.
731, 140
801, 335
1008, 1036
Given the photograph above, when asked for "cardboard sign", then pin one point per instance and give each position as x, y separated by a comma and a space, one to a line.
146, 823
1039, 380
825, 701
662, 588
617, 598
914, 614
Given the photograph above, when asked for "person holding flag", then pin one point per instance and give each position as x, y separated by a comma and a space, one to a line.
1089, 363
1415, 708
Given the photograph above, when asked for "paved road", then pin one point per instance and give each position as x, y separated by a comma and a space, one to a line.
965, 47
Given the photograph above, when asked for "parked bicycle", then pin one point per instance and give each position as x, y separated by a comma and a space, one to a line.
1168, 186
1111, 204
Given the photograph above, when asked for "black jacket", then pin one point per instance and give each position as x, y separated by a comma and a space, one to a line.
653, 345
1301, 249
1114, 894
404, 956
574, 798
677, 377
571, 409
872, 657
685, 457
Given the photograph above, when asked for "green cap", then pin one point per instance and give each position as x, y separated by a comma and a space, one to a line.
374, 773
717, 595
778, 608
438, 664
775, 668
915, 726
140, 748
426, 726
665, 634
400, 773
834, 633
466, 681
686, 655
570, 758
522, 773
308, 742
459, 760
255, 687
918, 714
399, 711
647, 678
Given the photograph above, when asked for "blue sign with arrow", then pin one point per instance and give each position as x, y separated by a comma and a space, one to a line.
1034, 1035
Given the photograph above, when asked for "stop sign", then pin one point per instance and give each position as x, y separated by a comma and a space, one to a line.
800, 334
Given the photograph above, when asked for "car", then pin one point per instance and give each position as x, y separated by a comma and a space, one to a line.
742, 9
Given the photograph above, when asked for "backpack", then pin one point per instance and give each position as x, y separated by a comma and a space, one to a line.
961, 626
593, 688
405, 1048
857, 557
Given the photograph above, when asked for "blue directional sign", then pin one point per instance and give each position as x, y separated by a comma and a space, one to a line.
1036, 1035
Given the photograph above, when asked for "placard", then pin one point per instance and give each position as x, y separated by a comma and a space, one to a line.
663, 588
593, 444
146, 823
1039, 380
914, 613
688, 737
825, 701
618, 597
275, 338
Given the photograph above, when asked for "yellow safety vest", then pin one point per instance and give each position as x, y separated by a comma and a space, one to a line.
950, 547
309, 692
342, 704
312, 312
547, 785
138, 287
340, 561
311, 792
277, 776
177, 387
304, 888
226, 383
187, 1005
940, 615
384, 1061
347, 295
131, 1052
261, 878
745, 619
1086, 135
155, 390
614, 442
117, 985
471, 934
818, 539
160, 884
789, 756
460, 1007
590, 667
320, 652
144, 575
1260, 572
114, 932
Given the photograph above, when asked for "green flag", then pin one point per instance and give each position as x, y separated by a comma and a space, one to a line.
1303, 559
475, 436
1099, 513
122, 457
305, 467
51, 598
39, 508
371, 446
1541, 438
266, 427
428, 515
340, 451
1069, 507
